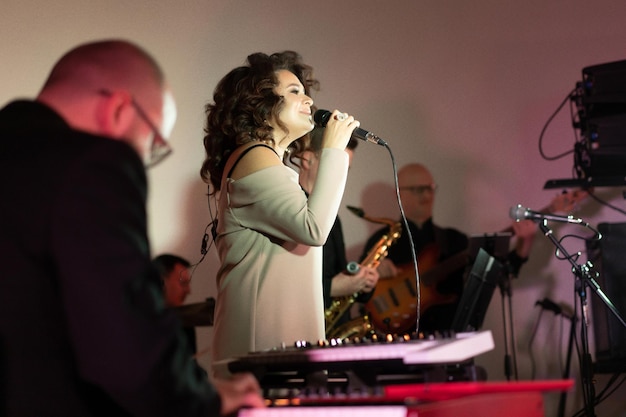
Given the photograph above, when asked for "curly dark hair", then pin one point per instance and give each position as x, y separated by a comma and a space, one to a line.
243, 101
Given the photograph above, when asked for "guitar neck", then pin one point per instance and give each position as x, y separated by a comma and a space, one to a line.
445, 267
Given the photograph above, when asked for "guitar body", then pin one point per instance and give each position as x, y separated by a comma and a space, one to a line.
393, 306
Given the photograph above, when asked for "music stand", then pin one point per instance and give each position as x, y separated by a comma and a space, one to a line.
479, 287
497, 245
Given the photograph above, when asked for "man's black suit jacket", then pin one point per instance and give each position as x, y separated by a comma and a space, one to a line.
83, 329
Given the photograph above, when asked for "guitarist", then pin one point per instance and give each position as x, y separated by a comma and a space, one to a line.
434, 244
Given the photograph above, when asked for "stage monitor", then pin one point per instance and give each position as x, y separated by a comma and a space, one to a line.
607, 256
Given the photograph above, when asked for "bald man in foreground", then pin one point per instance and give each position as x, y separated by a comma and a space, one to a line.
83, 328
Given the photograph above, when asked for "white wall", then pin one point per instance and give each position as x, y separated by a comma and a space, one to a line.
464, 87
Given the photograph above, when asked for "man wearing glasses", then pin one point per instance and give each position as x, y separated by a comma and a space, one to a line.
83, 329
434, 245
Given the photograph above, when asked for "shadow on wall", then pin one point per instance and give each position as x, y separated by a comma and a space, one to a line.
379, 201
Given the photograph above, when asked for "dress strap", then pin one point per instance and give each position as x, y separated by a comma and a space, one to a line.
243, 153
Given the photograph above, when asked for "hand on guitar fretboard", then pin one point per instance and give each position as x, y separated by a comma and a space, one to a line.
566, 201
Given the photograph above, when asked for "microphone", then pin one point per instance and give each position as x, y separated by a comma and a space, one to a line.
321, 119
548, 304
521, 213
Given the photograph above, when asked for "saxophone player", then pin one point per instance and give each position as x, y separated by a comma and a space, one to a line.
337, 281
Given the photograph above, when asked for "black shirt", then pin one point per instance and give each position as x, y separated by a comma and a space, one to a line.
433, 245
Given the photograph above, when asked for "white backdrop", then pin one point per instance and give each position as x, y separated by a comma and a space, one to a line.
464, 87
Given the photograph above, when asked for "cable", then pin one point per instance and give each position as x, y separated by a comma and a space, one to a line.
569, 96
409, 235
606, 204
205, 245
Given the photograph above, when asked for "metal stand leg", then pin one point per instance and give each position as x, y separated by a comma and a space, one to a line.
568, 360
510, 356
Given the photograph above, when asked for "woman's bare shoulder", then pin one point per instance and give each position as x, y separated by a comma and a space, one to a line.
255, 158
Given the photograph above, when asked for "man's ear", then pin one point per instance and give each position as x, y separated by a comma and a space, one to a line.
115, 114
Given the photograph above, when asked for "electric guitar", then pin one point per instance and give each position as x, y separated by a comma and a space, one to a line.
393, 306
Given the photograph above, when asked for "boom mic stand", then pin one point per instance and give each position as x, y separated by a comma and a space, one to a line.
584, 278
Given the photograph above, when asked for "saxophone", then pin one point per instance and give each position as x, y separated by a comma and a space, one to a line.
340, 305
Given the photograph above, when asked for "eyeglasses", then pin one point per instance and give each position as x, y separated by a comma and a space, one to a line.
420, 189
159, 149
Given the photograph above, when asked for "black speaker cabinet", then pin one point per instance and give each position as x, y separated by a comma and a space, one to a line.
609, 259
602, 150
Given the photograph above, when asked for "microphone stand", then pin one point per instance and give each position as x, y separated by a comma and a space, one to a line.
584, 279
570, 347
509, 340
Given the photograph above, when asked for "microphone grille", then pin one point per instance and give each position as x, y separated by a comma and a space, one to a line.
517, 212
321, 117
